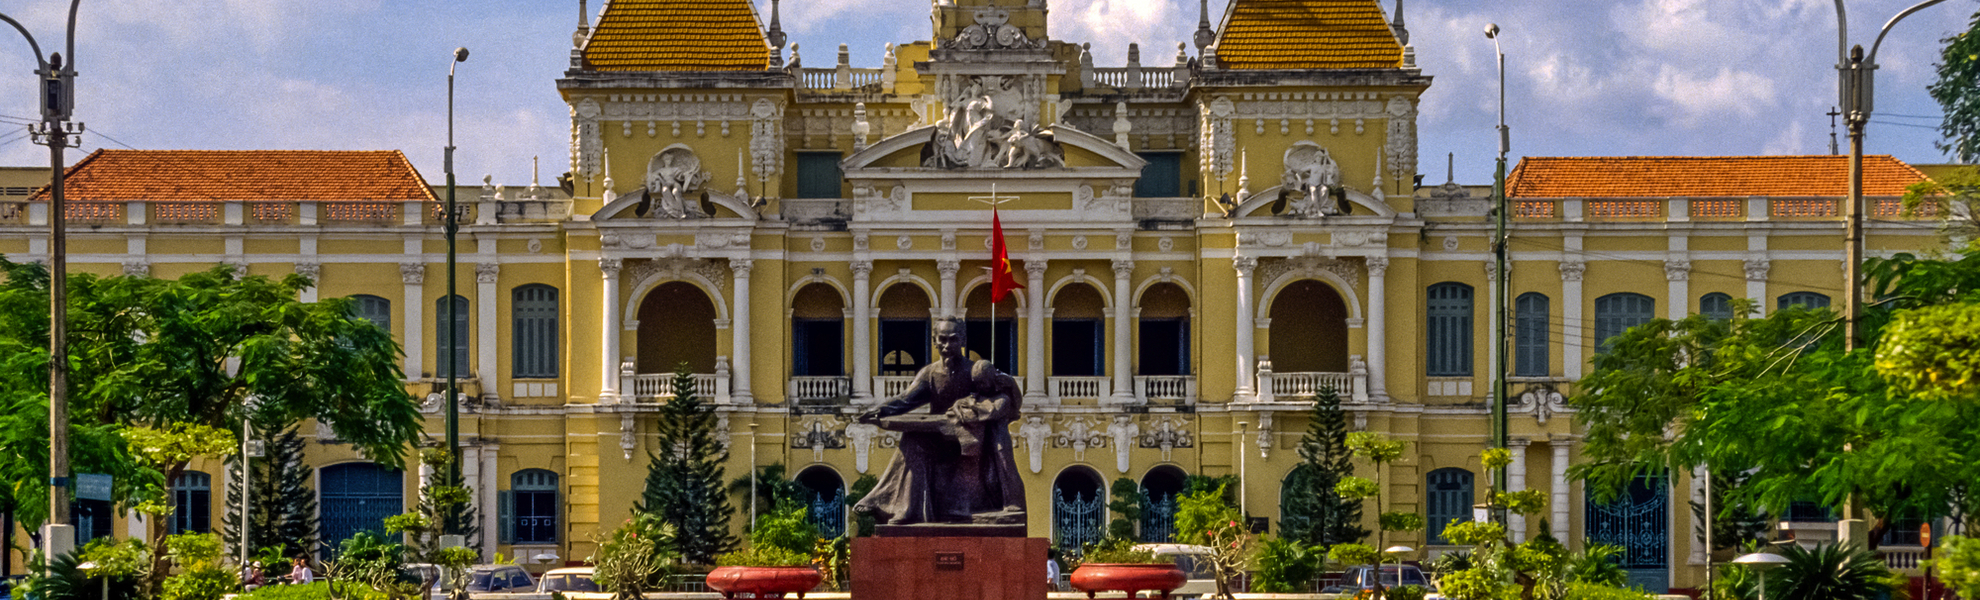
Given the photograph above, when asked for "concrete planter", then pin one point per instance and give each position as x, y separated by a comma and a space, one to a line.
1114, 577
764, 582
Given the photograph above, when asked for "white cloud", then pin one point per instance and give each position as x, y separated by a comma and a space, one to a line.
1727, 93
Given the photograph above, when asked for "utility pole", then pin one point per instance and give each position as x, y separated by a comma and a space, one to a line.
1500, 306
57, 88
453, 225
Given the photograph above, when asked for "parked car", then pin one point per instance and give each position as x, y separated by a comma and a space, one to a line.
1363, 578
480, 579
1196, 564
571, 579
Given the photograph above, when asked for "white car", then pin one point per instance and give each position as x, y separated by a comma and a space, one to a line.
1196, 564
574, 582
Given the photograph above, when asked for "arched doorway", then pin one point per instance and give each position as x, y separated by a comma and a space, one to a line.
818, 325
1161, 490
825, 500
1639, 522
676, 325
904, 315
1079, 509
1309, 330
358, 497
980, 335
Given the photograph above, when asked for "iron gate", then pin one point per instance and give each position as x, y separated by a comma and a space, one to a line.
358, 497
1077, 522
1639, 522
1158, 519
828, 514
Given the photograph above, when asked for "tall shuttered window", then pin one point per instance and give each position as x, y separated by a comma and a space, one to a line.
1449, 332
1716, 305
530, 508
374, 309
535, 330
1616, 313
1530, 345
192, 502
1162, 177
459, 351
818, 175
1808, 300
1448, 497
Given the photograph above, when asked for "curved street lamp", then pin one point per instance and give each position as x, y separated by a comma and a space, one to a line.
56, 87
453, 225
1502, 287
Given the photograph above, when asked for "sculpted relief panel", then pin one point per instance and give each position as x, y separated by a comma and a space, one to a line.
992, 123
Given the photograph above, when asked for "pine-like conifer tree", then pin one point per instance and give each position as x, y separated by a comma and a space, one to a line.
1314, 513
684, 486
283, 511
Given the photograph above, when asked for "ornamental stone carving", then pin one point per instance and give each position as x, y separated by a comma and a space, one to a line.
1080, 434
1311, 267
1677, 270
1167, 434
487, 272
1378, 266
1573, 270
680, 269
1312, 173
1400, 151
992, 123
312, 270
610, 266
1218, 143
1756, 269
1034, 432
1123, 432
139, 268
412, 273
992, 31
672, 177
862, 435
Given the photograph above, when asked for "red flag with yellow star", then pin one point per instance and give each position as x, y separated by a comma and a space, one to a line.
1003, 278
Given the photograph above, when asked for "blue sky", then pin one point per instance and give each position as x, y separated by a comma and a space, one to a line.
1585, 77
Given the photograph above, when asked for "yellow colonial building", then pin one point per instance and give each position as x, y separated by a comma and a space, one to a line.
790, 232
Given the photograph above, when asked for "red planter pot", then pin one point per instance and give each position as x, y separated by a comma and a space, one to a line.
764, 582
1107, 577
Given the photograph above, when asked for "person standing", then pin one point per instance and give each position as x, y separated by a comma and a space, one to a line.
299, 572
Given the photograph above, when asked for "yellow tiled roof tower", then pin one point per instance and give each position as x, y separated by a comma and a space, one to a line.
1307, 34
678, 35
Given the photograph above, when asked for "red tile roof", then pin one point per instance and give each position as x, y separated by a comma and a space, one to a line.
209, 175
678, 35
1307, 34
1704, 176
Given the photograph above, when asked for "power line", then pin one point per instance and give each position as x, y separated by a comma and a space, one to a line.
1897, 124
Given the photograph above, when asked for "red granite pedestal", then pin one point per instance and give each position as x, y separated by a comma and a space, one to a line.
958, 562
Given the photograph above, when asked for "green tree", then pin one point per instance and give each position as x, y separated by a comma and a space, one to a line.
447, 501
282, 515
684, 476
1958, 93
1314, 512
774, 485
158, 353
1126, 504
864, 522
1378, 450
1206, 517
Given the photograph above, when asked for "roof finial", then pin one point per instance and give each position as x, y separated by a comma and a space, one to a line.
1203, 33
776, 37
584, 26
1402, 33
1450, 168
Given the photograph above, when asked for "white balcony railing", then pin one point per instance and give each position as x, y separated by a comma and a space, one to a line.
1902, 558
1296, 386
888, 386
820, 388
1165, 387
1079, 388
648, 387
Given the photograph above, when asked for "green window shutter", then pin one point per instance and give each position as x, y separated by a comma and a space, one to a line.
506, 515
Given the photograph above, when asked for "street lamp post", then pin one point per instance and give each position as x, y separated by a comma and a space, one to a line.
453, 342
1856, 85
1760, 562
1501, 292
57, 87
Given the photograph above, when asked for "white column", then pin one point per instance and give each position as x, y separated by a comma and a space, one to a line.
608, 351
739, 332
1571, 336
862, 377
413, 274
489, 497
314, 271
471, 478
1697, 541
1123, 332
487, 369
948, 267
1560, 491
1756, 283
1516, 482
1245, 327
1034, 331
1377, 328
1677, 299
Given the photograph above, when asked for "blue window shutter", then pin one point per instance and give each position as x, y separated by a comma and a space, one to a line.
506, 515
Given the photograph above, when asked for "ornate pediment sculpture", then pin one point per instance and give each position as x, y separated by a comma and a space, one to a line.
672, 178
986, 128
993, 31
1312, 174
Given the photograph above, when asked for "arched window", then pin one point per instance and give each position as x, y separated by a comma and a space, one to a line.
1079, 509
1530, 345
1808, 300
1616, 313
535, 331
1716, 305
1447, 497
1449, 330
460, 349
192, 502
530, 508
374, 309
